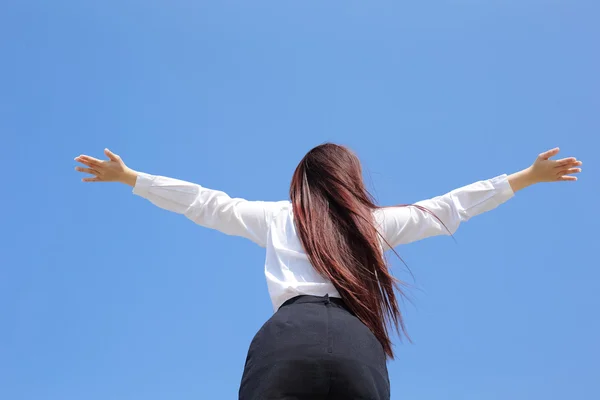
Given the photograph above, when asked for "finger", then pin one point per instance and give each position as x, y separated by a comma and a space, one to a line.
569, 171
567, 178
550, 153
94, 179
565, 161
87, 170
112, 156
91, 164
87, 160
571, 165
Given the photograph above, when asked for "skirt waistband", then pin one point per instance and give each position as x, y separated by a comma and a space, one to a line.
315, 299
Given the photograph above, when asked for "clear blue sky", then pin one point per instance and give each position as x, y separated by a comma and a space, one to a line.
104, 296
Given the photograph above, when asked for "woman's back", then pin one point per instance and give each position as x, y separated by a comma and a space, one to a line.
288, 270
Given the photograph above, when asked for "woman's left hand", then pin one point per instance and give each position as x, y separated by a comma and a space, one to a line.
111, 170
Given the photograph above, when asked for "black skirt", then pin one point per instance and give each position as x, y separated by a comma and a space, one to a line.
315, 348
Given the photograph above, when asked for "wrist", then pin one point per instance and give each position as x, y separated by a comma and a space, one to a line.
129, 177
522, 179
529, 176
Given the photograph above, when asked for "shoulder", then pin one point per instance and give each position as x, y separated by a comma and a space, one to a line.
282, 213
275, 208
379, 216
283, 206
392, 216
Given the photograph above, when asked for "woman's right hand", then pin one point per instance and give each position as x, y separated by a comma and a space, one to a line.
111, 170
546, 170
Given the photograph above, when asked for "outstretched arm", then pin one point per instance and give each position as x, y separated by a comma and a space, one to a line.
209, 208
442, 215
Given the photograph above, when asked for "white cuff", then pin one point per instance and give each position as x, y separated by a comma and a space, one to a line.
505, 191
143, 183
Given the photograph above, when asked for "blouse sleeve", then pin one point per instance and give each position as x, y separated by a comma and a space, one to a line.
209, 208
443, 214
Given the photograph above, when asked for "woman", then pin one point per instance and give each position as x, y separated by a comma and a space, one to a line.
332, 292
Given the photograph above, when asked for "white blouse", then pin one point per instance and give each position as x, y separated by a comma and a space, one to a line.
271, 224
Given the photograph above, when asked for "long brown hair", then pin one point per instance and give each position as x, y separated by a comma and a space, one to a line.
333, 214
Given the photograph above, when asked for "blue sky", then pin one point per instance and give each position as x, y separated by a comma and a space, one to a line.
104, 296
